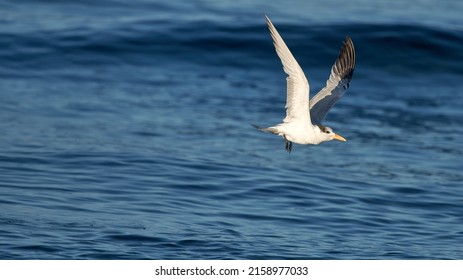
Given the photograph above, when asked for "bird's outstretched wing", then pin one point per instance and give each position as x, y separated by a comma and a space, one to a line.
297, 94
336, 85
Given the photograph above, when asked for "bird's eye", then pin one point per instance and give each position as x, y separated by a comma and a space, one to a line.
327, 131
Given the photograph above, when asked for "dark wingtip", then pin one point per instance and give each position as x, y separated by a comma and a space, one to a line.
345, 63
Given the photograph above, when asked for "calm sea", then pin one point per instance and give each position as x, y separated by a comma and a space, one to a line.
125, 131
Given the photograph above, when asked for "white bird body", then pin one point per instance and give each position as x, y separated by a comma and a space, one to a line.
303, 121
298, 132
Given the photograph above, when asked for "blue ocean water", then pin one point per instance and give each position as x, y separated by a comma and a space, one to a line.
125, 131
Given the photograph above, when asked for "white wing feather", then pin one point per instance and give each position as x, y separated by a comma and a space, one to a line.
297, 95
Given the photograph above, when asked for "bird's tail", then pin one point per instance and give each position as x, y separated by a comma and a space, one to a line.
265, 129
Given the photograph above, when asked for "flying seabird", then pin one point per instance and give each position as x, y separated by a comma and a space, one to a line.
303, 121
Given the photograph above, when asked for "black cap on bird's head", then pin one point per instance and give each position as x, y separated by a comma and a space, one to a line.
330, 134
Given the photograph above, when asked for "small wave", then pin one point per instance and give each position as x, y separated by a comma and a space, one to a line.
393, 47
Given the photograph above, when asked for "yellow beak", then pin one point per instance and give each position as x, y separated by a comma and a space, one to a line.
339, 137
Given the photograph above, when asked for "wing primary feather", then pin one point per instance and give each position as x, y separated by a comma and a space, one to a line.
297, 92
337, 84
345, 63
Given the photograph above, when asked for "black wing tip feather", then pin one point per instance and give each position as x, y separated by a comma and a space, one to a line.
345, 63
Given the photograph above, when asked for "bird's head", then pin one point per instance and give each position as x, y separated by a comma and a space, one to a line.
327, 134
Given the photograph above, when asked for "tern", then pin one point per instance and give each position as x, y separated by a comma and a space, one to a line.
303, 121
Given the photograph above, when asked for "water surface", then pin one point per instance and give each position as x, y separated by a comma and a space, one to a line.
125, 132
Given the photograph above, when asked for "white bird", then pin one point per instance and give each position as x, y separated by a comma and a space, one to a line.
303, 121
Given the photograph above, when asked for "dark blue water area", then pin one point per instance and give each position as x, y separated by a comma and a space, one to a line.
125, 132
